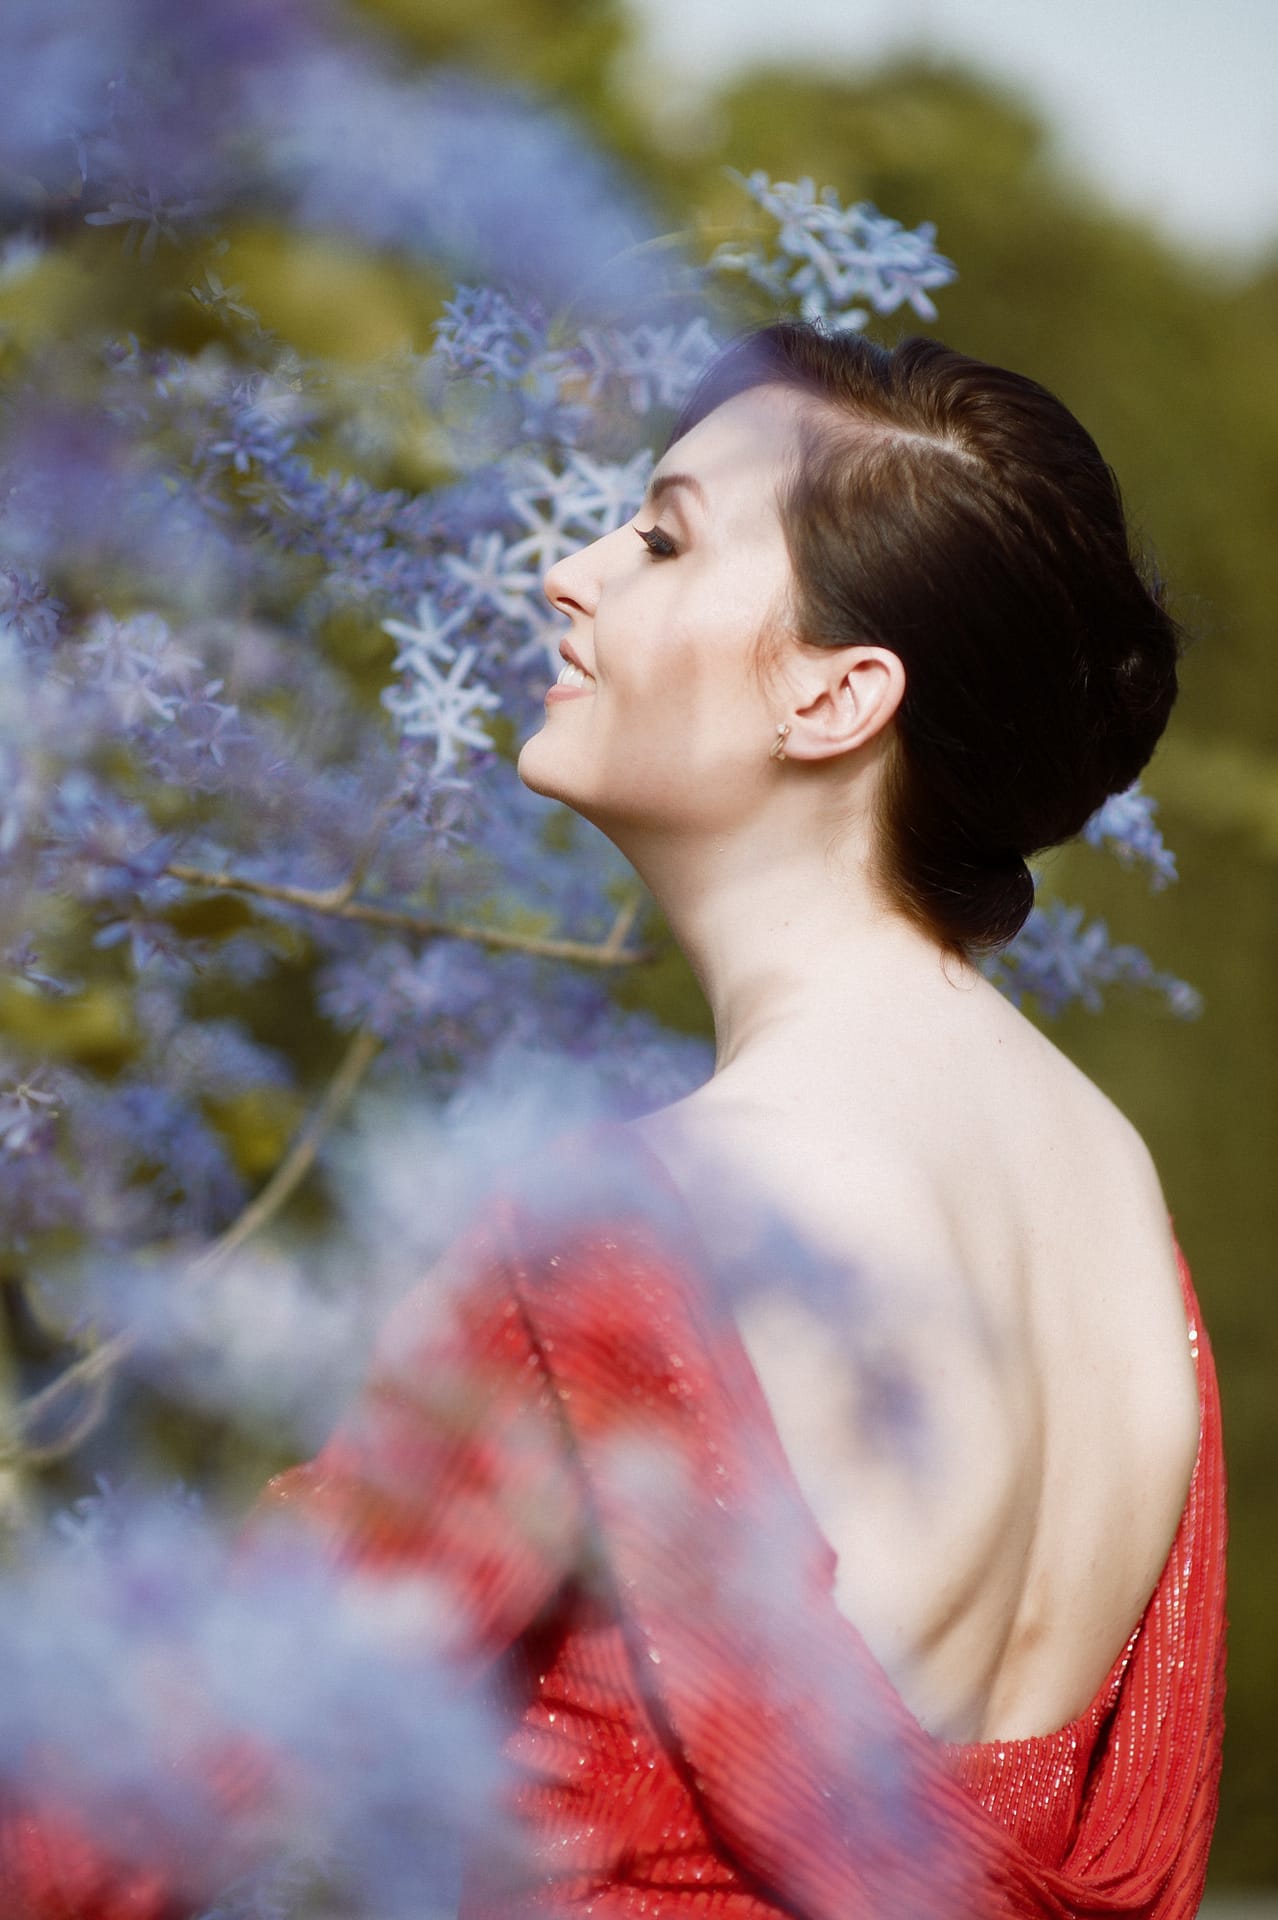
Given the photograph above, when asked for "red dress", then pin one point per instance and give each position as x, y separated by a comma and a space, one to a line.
579, 1449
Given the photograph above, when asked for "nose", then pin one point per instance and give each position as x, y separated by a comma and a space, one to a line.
572, 584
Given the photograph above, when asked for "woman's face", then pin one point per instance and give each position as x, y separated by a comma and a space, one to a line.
672, 729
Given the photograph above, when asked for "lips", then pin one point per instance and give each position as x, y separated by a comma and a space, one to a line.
568, 652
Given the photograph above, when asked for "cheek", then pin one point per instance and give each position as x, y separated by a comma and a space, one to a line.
688, 641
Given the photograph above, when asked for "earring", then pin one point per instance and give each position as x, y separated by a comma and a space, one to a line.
778, 745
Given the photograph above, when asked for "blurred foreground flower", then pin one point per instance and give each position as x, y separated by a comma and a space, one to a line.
241, 1724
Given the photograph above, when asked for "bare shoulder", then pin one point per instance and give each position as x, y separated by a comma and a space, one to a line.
1097, 1250
1088, 1182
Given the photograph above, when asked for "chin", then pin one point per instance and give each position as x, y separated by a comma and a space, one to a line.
526, 762
545, 767
536, 768
542, 771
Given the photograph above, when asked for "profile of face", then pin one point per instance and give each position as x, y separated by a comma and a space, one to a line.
672, 730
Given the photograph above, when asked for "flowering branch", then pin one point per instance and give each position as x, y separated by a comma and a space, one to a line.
93, 1370
338, 904
299, 1159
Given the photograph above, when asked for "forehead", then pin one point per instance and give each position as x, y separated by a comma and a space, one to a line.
741, 452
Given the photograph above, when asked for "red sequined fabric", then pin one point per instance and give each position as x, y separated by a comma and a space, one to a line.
576, 1447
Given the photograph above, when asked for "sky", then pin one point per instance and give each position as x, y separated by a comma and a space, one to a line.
1170, 105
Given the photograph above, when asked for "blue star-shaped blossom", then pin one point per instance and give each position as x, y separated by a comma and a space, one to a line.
487, 577
429, 638
829, 256
659, 365
437, 706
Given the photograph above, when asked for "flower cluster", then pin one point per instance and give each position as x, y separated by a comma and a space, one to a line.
657, 366
827, 257
1125, 824
159, 1683
1061, 957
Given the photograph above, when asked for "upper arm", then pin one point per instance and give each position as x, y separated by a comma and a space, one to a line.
452, 1466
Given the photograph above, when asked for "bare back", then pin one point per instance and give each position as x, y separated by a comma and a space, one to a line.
1025, 1295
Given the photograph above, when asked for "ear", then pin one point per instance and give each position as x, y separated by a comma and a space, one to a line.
845, 702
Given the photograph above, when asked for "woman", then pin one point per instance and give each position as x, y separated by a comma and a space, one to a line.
875, 636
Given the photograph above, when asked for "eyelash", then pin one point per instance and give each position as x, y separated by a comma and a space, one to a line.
658, 543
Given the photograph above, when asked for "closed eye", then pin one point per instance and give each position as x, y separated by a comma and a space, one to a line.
658, 542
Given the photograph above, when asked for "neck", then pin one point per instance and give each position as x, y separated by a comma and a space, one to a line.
801, 962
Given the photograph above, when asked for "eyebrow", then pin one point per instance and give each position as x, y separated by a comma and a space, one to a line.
663, 483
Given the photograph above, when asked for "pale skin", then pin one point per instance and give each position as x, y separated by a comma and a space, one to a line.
896, 1106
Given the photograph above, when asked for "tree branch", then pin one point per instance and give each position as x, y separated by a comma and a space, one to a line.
299, 1159
337, 903
94, 1369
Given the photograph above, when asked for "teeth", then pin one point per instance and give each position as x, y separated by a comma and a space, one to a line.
570, 676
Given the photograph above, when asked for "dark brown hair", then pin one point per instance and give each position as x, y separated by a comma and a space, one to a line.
960, 516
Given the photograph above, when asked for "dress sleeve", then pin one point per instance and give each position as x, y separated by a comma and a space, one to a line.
450, 1471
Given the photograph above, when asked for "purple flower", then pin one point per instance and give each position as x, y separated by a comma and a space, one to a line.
441, 706
483, 331
81, 498
1059, 957
143, 1656
29, 609
146, 221
453, 169
1125, 824
829, 256
28, 1110
658, 366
